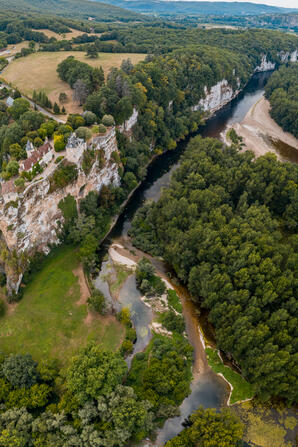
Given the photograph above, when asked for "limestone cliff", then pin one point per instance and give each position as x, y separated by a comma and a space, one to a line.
31, 221
222, 92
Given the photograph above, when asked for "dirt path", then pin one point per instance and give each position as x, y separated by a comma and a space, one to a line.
84, 289
258, 128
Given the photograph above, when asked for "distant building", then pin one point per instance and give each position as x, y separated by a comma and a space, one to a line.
42, 155
9, 101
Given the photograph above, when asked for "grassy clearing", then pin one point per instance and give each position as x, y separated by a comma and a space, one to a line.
66, 36
174, 301
117, 279
38, 71
241, 388
267, 425
48, 322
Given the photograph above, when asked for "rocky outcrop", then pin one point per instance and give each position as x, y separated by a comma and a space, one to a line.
222, 93
215, 98
265, 65
32, 222
128, 124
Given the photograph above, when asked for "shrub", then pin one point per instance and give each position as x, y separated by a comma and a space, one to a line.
38, 142
12, 168
126, 347
97, 302
64, 175
101, 128
131, 334
59, 143
148, 283
124, 317
108, 120
90, 118
84, 133
20, 183
172, 322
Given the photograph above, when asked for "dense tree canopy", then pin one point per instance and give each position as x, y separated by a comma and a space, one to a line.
207, 428
282, 92
227, 225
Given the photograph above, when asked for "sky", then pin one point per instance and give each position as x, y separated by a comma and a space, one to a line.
283, 3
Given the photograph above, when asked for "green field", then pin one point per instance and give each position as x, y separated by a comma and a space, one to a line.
242, 390
49, 321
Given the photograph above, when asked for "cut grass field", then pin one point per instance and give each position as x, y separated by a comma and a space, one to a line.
51, 320
242, 390
38, 71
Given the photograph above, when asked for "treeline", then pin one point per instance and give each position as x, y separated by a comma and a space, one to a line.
282, 93
228, 226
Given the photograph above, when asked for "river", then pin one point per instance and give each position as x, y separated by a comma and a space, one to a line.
207, 389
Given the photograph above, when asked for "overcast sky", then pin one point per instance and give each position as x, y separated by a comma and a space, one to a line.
284, 3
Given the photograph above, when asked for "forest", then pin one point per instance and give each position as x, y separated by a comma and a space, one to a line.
282, 93
228, 226
70, 8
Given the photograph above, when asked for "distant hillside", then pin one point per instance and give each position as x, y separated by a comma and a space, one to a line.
274, 21
190, 8
73, 9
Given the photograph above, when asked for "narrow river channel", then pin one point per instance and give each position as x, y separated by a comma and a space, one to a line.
207, 389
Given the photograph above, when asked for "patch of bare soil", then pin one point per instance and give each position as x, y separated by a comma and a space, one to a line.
84, 289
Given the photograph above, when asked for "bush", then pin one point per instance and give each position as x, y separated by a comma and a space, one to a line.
38, 142
59, 143
131, 334
172, 322
126, 348
90, 118
84, 133
102, 129
97, 302
108, 120
124, 317
64, 175
148, 283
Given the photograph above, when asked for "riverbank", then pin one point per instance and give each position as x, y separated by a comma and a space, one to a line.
261, 134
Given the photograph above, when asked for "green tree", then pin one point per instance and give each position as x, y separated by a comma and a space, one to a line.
20, 370
210, 429
94, 372
19, 107
92, 52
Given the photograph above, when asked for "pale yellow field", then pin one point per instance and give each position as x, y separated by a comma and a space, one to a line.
66, 36
39, 71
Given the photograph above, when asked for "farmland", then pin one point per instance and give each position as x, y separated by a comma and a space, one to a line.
38, 71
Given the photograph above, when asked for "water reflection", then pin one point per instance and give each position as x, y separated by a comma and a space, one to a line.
141, 315
207, 390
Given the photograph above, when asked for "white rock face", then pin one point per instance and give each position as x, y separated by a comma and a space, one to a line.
34, 223
293, 56
265, 65
219, 95
128, 124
